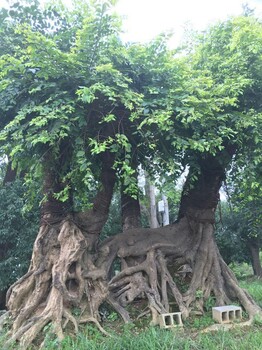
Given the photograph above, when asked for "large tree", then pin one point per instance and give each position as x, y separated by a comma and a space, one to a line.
79, 112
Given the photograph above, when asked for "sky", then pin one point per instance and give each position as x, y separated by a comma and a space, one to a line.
144, 19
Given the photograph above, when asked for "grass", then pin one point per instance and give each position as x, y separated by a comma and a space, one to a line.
254, 287
140, 336
157, 339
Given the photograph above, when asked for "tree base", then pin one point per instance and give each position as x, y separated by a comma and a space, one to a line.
179, 265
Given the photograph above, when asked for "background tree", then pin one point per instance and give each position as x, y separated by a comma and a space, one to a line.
245, 195
228, 235
17, 235
232, 236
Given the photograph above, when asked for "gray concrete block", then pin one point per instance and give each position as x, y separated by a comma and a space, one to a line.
170, 320
227, 314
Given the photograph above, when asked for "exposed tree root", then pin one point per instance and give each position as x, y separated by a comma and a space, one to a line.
53, 285
94, 320
65, 274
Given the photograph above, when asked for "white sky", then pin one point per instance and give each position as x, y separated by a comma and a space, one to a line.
144, 19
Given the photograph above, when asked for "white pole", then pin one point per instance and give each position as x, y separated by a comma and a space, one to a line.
166, 211
153, 212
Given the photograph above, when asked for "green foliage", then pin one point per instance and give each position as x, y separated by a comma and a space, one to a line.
246, 197
242, 218
170, 189
201, 322
241, 270
69, 102
202, 103
209, 303
17, 233
113, 224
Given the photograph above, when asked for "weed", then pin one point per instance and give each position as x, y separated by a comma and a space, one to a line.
254, 287
209, 303
113, 316
241, 270
199, 294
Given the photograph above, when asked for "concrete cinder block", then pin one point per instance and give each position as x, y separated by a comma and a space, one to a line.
227, 314
170, 320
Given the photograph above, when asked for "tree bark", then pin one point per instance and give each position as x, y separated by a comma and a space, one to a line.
130, 210
185, 252
254, 247
189, 246
202, 192
62, 257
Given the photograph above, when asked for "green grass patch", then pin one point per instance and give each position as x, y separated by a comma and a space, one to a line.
154, 338
254, 287
239, 339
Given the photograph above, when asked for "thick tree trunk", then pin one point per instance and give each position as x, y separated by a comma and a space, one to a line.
187, 248
63, 255
210, 274
130, 209
254, 247
202, 193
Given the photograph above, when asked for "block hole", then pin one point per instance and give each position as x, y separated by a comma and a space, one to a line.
238, 313
168, 321
231, 315
177, 319
224, 316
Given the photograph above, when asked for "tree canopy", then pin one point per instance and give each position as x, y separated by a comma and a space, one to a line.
162, 104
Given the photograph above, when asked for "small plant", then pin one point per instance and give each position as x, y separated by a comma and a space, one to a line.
209, 303
50, 339
241, 270
203, 322
113, 316
199, 294
76, 312
258, 320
